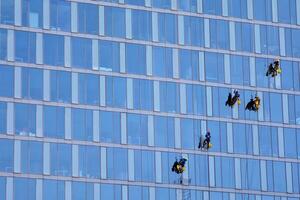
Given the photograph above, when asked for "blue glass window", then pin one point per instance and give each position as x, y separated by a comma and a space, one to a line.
190, 130
290, 14
109, 191
276, 102
54, 121
135, 2
193, 31
270, 178
60, 86
164, 131
240, 70
137, 129
53, 189
166, 4
167, 160
219, 34
138, 192
82, 190
290, 143
265, 140
161, 4
142, 94
164, 193
144, 164
187, 5
82, 124
189, 64
262, 10
279, 176
162, 62
237, 8
242, 138
6, 81
32, 13
60, 15
297, 107
88, 89
141, 24
115, 156
25, 46
219, 135
250, 174
212, 7
110, 127
116, 91
32, 83
24, 189
269, 40
7, 158
135, 59
114, 21
296, 178
219, 96
214, 67
109, 56
195, 99
60, 159
31, 157
244, 37
7, 15
224, 169
81, 52
169, 97
3, 43
88, 18
287, 81
53, 50
167, 28
3, 110
25, 119
292, 110
292, 42
261, 66
2, 187
89, 161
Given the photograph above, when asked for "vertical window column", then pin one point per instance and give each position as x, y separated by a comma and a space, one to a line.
74, 17
298, 11
158, 167
101, 20
156, 96
39, 121
201, 66
68, 190
180, 30
225, 7
257, 38
149, 60
183, 98
68, 124
261, 110
95, 54
229, 138
10, 118
227, 68
250, 9
255, 140
39, 189
123, 128
252, 72
177, 133
18, 12
289, 179
46, 14
75, 168
129, 93
131, 165
46, 84
150, 130
10, 45
280, 142
102, 91
237, 167
199, 6
173, 4
67, 45
211, 168
282, 41
206, 33
274, 11
154, 26
128, 24
209, 101
17, 83
285, 108
96, 127
232, 35
263, 174
9, 188
124, 192
175, 64
75, 88
96, 191
103, 163
122, 57
46, 158
17, 156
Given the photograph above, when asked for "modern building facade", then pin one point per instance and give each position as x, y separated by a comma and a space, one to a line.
99, 98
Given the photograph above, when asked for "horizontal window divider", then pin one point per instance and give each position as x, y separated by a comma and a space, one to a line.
185, 13
177, 46
153, 78
147, 184
147, 148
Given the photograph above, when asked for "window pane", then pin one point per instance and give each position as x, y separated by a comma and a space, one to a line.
2, 187
25, 119
7, 158
196, 99
214, 67
81, 52
32, 83
115, 156
82, 190
135, 2
289, 16
24, 189
110, 127
6, 81
187, 5
88, 89
188, 64
244, 36
3, 41
60, 159
32, 13
60, 86
217, 40
142, 94
89, 161
54, 121
141, 24
262, 10
53, 189
194, 31
269, 40
276, 102
109, 56
88, 18
212, 7
82, 124
240, 70
237, 8
161, 4
31, 157
25, 46
164, 131
167, 28
162, 62
290, 143
137, 129
114, 21
279, 176
169, 97
60, 15
116, 91
7, 15
3, 117
144, 164
135, 59
109, 191
53, 50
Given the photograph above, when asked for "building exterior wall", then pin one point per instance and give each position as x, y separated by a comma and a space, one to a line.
98, 99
